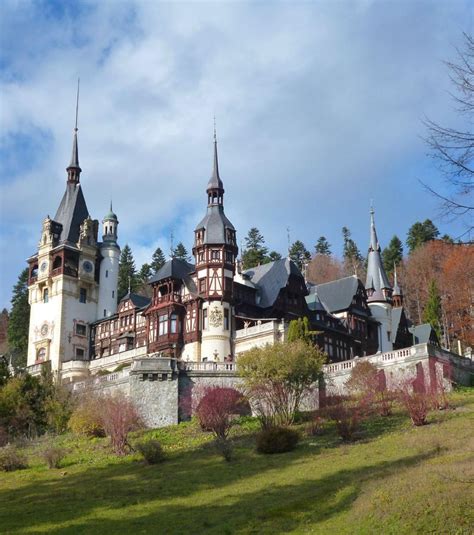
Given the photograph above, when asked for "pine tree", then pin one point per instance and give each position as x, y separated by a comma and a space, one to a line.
322, 246
255, 252
19, 320
393, 254
420, 233
353, 260
157, 260
432, 313
299, 254
273, 256
127, 275
144, 274
181, 253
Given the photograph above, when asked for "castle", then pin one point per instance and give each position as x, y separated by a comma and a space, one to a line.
207, 311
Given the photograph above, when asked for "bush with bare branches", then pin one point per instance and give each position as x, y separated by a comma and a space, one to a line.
216, 411
119, 417
347, 413
414, 398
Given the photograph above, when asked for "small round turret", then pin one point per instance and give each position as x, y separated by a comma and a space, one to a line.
109, 226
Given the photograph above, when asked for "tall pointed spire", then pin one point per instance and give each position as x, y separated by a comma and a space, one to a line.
215, 186
377, 284
73, 169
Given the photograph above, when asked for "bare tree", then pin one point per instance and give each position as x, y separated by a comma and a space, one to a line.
453, 148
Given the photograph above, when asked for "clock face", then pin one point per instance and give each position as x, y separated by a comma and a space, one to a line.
44, 329
88, 267
44, 266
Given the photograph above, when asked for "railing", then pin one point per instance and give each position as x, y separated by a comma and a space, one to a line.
209, 366
102, 380
389, 356
258, 329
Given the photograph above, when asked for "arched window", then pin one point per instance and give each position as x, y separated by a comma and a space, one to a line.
41, 354
45, 295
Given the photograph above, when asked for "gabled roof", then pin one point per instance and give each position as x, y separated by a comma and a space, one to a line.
71, 213
423, 334
271, 278
337, 295
139, 301
175, 269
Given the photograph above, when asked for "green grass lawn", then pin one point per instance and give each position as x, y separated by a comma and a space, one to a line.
395, 479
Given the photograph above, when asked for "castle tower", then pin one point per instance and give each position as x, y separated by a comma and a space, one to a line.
63, 281
215, 251
378, 289
109, 266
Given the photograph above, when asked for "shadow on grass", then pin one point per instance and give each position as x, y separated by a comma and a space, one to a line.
163, 498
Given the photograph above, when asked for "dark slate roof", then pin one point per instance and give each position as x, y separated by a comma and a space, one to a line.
174, 268
396, 317
75, 153
314, 302
139, 301
71, 213
271, 278
422, 333
376, 276
215, 181
215, 224
337, 295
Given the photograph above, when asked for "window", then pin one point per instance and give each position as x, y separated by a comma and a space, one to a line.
226, 319
80, 353
201, 257
45, 295
105, 313
113, 294
41, 355
82, 295
163, 325
229, 256
215, 255
202, 285
388, 335
81, 329
204, 319
173, 323
106, 273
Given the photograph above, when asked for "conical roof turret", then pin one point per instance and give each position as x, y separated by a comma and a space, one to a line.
377, 283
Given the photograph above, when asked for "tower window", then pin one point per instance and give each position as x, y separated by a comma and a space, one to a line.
82, 295
113, 294
80, 329
45, 295
226, 319
202, 285
105, 313
106, 273
204, 319
80, 353
215, 255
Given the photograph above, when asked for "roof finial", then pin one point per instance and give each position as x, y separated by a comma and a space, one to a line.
77, 104
215, 132
111, 210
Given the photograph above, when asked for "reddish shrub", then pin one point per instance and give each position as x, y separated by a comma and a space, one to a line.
415, 400
216, 411
119, 417
347, 413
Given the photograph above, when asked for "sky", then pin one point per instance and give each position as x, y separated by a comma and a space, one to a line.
318, 105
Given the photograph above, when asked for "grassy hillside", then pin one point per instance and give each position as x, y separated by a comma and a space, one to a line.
394, 479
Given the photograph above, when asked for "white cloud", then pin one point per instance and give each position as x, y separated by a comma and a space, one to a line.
317, 105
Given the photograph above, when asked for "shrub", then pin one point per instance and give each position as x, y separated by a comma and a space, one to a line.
3, 437
86, 418
415, 402
12, 459
347, 414
216, 411
119, 417
277, 440
151, 451
315, 426
277, 378
53, 455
